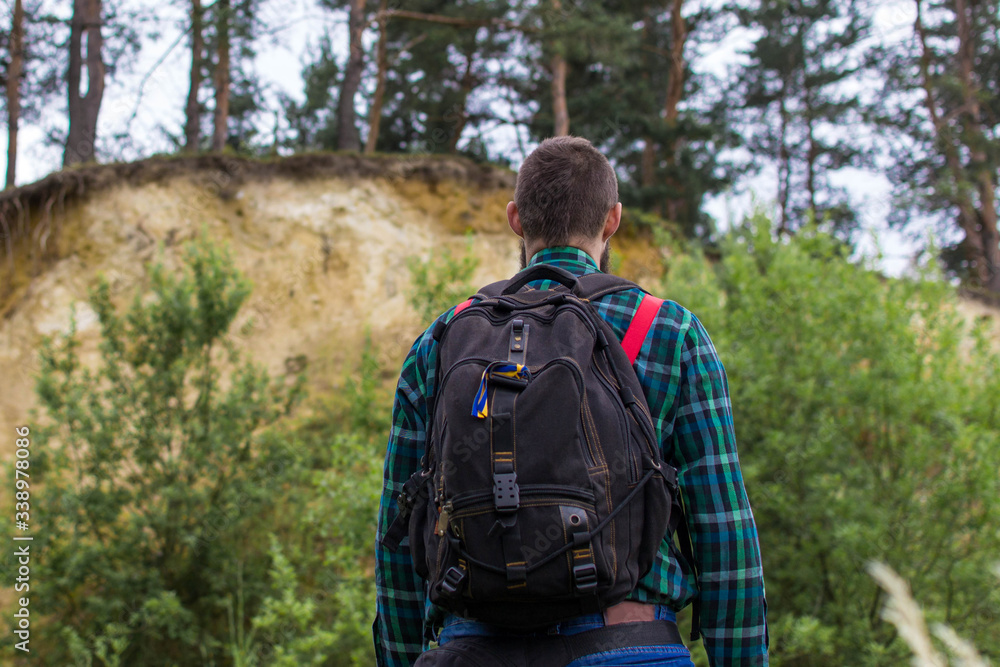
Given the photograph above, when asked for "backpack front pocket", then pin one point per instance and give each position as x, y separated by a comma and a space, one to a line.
550, 539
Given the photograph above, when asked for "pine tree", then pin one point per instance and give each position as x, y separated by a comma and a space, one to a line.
313, 122
54, 53
943, 107
437, 58
630, 89
795, 99
220, 131
347, 131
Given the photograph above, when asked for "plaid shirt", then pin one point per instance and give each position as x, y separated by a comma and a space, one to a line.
687, 392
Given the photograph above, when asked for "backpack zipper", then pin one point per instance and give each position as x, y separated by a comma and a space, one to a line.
557, 491
480, 312
633, 470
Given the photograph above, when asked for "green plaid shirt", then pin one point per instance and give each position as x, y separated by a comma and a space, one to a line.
687, 392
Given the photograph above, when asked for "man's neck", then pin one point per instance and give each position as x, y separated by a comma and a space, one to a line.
599, 253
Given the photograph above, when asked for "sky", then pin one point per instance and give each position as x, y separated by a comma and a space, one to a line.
144, 103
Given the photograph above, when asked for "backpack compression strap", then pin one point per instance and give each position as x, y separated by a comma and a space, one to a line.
639, 327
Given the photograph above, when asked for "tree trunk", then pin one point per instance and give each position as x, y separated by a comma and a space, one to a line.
221, 132
813, 152
347, 131
84, 109
648, 165
671, 108
13, 88
461, 117
375, 114
560, 110
675, 84
192, 123
980, 227
784, 167
648, 162
981, 175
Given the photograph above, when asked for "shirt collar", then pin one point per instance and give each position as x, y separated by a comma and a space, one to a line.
574, 260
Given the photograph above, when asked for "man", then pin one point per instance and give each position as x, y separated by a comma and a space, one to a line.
565, 210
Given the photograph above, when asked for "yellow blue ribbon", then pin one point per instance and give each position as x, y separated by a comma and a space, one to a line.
480, 407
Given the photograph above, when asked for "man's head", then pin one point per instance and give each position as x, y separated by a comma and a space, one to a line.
566, 194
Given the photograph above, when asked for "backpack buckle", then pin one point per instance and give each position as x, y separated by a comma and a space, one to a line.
452, 580
404, 504
585, 577
515, 383
506, 495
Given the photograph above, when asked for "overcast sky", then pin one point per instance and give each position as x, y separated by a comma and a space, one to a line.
146, 100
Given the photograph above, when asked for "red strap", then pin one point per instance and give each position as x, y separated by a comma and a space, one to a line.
462, 306
639, 327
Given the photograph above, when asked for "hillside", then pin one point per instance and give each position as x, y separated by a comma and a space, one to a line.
324, 239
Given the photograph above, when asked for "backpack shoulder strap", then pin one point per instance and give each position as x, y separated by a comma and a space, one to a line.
595, 285
638, 329
462, 306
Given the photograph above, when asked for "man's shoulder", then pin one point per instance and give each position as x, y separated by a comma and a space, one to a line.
674, 316
670, 314
425, 342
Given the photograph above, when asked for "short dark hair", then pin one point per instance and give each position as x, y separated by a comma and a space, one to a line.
564, 190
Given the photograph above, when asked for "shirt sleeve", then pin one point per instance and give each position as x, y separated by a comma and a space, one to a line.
398, 626
723, 531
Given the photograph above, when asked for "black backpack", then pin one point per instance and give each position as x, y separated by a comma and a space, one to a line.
542, 495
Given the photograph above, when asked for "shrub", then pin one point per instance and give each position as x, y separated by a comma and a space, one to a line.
441, 281
321, 598
158, 475
867, 431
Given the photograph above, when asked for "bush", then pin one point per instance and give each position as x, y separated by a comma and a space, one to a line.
321, 599
866, 432
441, 281
158, 476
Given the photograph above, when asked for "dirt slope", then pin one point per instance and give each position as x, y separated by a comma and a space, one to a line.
323, 238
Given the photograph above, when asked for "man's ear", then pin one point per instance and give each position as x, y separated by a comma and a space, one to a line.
611, 223
514, 219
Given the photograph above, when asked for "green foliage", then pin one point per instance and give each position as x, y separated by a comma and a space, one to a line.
441, 281
313, 124
322, 593
285, 628
364, 401
159, 473
435, 71
868, 429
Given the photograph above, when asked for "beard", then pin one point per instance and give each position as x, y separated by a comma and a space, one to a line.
604, 264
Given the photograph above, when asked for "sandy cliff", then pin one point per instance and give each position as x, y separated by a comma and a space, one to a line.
323, 238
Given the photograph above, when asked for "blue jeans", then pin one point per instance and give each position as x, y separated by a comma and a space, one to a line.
669, 655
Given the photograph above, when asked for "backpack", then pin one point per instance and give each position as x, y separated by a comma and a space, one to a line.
541, 495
